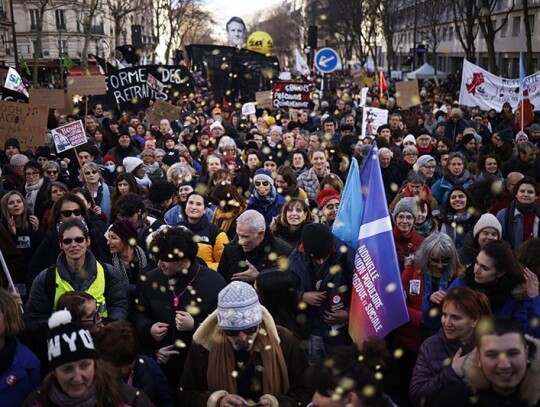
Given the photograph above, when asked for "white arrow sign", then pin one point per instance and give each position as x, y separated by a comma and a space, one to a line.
324, 61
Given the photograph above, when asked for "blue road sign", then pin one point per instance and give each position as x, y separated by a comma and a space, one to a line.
326, 60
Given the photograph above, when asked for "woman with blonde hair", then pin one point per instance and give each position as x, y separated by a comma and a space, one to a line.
94, 182
229, 205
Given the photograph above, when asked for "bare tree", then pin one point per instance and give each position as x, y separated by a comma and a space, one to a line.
42, 7
432, 13
119, 11
490, 29
88, 10
528, 37
465, 13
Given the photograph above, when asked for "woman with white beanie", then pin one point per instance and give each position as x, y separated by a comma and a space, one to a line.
487, 229
135, 166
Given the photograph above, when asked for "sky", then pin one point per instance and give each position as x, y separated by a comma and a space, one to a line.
223, 10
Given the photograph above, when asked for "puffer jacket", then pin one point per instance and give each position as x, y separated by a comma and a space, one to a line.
210, 239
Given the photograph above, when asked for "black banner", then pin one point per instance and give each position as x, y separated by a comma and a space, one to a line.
293, 95
12, 95
234, 74
133, 88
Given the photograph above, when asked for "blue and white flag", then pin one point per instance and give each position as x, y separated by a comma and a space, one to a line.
377, 300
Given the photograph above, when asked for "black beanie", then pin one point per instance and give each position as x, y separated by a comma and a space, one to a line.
318, 240
68, 341
12, 142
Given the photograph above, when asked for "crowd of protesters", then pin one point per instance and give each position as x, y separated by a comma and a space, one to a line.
193, 262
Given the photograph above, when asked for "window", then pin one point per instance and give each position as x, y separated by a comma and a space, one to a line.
451, 33
60, 19
34, 18
531, 22
62, 48
504, 29
516, 26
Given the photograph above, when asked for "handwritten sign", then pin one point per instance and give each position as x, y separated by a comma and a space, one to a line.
69, 136
407, 94
26, 122
52, 98
87, 85
164, 110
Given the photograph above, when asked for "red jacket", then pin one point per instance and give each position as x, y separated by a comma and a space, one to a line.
409, 335
406, 246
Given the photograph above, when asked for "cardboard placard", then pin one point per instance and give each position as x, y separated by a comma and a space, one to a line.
69, 136
263, 99
407, 94
358, 78
87, 85
52, 98
25, 122
164, 110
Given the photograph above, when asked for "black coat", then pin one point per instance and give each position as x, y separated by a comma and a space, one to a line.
262, 258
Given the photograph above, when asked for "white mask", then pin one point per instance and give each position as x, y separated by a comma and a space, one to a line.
111, 167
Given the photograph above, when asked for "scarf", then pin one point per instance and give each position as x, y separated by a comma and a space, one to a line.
525, 211
265, 201
497, 291
452, 222
144, 181
462, 179
221, 362
119, 265
429, 318
223, 219
58, 397
31, 195
425, 228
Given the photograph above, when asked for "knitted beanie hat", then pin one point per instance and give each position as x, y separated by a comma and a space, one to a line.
238, 307
327, 195
68, 341
407, 204
131, 163
317, 240
422, 161
487, 220
263, 175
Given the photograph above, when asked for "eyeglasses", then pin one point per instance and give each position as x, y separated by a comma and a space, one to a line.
445, 262
67, 213
263, 183
247, 331
32, 174
51, 172
94, 316
68, 240
90, 172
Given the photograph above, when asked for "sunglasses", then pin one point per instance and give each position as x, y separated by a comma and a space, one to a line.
445, 262
263, 183
51, 172
247, 331
90, 172
67, 213
68, 240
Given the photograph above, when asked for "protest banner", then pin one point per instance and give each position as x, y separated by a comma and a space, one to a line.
264, 99
25, 122
88, 85
488, 91
372, 118
407, 94
69, 136
12, 95
294, 95
133, 88
377, 301
164, 110
51, 98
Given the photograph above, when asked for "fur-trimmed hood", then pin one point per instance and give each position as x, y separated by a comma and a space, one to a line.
206, 332
529, 389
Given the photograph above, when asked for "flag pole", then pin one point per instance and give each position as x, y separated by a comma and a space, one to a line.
521, 79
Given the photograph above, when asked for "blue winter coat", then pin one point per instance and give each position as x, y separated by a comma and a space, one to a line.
269, 211
21, 378
442, 187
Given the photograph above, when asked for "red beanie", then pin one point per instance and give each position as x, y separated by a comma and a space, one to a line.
108, 157
326, 195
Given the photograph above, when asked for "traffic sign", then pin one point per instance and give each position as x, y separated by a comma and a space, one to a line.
326, 60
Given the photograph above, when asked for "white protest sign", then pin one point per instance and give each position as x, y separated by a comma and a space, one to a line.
69, 136
372, 118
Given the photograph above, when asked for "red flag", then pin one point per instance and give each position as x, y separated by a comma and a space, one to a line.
524, 112
382, 83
